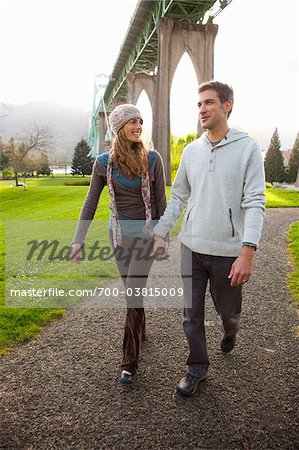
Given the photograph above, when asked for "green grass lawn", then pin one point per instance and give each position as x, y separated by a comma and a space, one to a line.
54, 207
47, 200
282, 198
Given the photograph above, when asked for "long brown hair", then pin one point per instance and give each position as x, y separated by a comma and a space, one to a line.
131, 158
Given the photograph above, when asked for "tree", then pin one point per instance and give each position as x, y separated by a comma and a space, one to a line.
4, 160
274, 166
38, 164
17, 158
81, 162
176, 148
293, 166
36, 138
43, 165
191, 137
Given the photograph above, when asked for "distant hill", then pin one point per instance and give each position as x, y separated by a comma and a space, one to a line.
68, 125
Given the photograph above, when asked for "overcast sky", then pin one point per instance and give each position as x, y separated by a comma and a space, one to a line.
51, 50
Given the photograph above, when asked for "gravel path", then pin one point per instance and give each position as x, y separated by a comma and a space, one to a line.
61, 390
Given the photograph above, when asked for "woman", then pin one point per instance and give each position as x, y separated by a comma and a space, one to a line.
136, 184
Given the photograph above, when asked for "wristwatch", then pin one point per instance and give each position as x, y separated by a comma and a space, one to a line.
249, 244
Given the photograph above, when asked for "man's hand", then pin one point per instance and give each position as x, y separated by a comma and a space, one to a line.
160, 250
241, 270
75, 253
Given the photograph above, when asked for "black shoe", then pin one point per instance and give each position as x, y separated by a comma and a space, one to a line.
126, 377
189, 384
228, 343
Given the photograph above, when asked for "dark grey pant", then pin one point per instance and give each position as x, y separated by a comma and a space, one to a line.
197, 269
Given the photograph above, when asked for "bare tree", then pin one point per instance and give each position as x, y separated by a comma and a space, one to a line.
36, 138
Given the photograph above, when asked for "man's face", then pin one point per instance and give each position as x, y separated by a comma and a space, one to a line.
212, 112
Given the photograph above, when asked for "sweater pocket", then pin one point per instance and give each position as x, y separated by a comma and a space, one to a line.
187, 216
189, 212
231, 222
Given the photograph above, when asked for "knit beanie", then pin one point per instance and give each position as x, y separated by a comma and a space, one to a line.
122, 114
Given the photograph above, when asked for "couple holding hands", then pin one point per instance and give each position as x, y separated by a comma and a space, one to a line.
219, 184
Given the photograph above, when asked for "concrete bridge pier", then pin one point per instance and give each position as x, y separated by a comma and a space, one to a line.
174, 39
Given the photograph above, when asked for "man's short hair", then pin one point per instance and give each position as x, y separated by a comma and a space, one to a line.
224, 91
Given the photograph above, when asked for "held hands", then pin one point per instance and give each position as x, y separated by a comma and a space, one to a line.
160, 250
241, 269
75, 253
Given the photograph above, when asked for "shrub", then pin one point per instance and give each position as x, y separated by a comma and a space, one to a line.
76, 182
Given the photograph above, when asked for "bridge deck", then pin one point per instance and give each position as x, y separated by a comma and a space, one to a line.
138, 52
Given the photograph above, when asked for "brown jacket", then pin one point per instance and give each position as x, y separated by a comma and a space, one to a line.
128, 195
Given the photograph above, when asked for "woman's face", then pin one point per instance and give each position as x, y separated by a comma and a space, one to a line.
133, 130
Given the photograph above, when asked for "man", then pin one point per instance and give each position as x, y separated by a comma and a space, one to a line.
220, 182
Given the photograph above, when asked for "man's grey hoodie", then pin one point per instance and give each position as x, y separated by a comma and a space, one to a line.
222, 189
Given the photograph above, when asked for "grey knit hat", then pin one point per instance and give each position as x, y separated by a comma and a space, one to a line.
121, 115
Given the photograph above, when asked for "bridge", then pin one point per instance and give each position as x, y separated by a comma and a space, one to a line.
160, 32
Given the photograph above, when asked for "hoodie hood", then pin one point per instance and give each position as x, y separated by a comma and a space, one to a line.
231, 136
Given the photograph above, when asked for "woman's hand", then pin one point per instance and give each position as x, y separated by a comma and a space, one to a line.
160, 250
75, 253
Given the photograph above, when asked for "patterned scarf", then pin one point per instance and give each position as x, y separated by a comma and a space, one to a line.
146, 196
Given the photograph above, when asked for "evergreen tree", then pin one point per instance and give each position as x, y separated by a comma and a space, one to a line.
293, 166
81, 162
274, 166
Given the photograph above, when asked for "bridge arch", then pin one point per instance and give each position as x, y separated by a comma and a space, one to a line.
183, 96
144, 104
136, 83
183, 47
175, 38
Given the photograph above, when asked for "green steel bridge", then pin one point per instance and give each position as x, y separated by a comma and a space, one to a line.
139, 53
